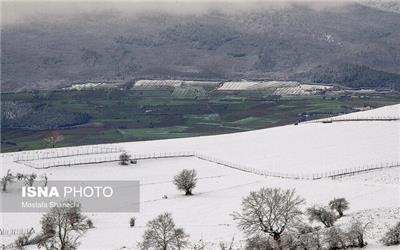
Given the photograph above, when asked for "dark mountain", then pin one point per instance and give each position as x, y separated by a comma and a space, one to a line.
51, 51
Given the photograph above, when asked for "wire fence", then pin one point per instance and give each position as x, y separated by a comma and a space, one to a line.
92, 155
92, 158
70, 161
350, 119
305, 176
63, 152
162, 155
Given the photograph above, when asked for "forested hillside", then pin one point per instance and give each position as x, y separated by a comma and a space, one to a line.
351, 75
229, 42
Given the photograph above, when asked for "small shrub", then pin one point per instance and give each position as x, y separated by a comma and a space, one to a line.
23, 240
45, 180
186, 181
259, 242
53, 138
227, 246
356, 233
392, 236
20, 176
132, 222
30, 179
322, 214
7, 179
339, 205
308, 237
124, 159
200, 245
89, 223
334, 238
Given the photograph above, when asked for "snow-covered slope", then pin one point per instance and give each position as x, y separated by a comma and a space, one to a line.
205, 215
307, 148
387, 112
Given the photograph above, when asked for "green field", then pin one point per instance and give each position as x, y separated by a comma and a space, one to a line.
134, 115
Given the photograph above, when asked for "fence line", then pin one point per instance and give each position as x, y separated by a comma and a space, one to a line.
95, 158
64, 152
313, 176
349, 119
112, 155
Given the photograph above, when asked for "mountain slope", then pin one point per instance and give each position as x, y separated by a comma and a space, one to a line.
266, 42
350, 75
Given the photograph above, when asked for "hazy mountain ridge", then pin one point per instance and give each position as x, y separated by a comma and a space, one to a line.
270, 44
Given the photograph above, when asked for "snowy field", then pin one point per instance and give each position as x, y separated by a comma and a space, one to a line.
172, 83
387, 176
284, 88
206, 215
158, 83
306, 148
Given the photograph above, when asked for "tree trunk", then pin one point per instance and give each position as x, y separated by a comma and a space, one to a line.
278, 241
188, 192
4, 186
340, 213
361, 241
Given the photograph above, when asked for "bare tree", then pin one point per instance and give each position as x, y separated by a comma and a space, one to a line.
7, 179
339, 204
124, 158
186, 180
162, 234
53, 138
45, 179
322, 214
270, 211
62, 226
